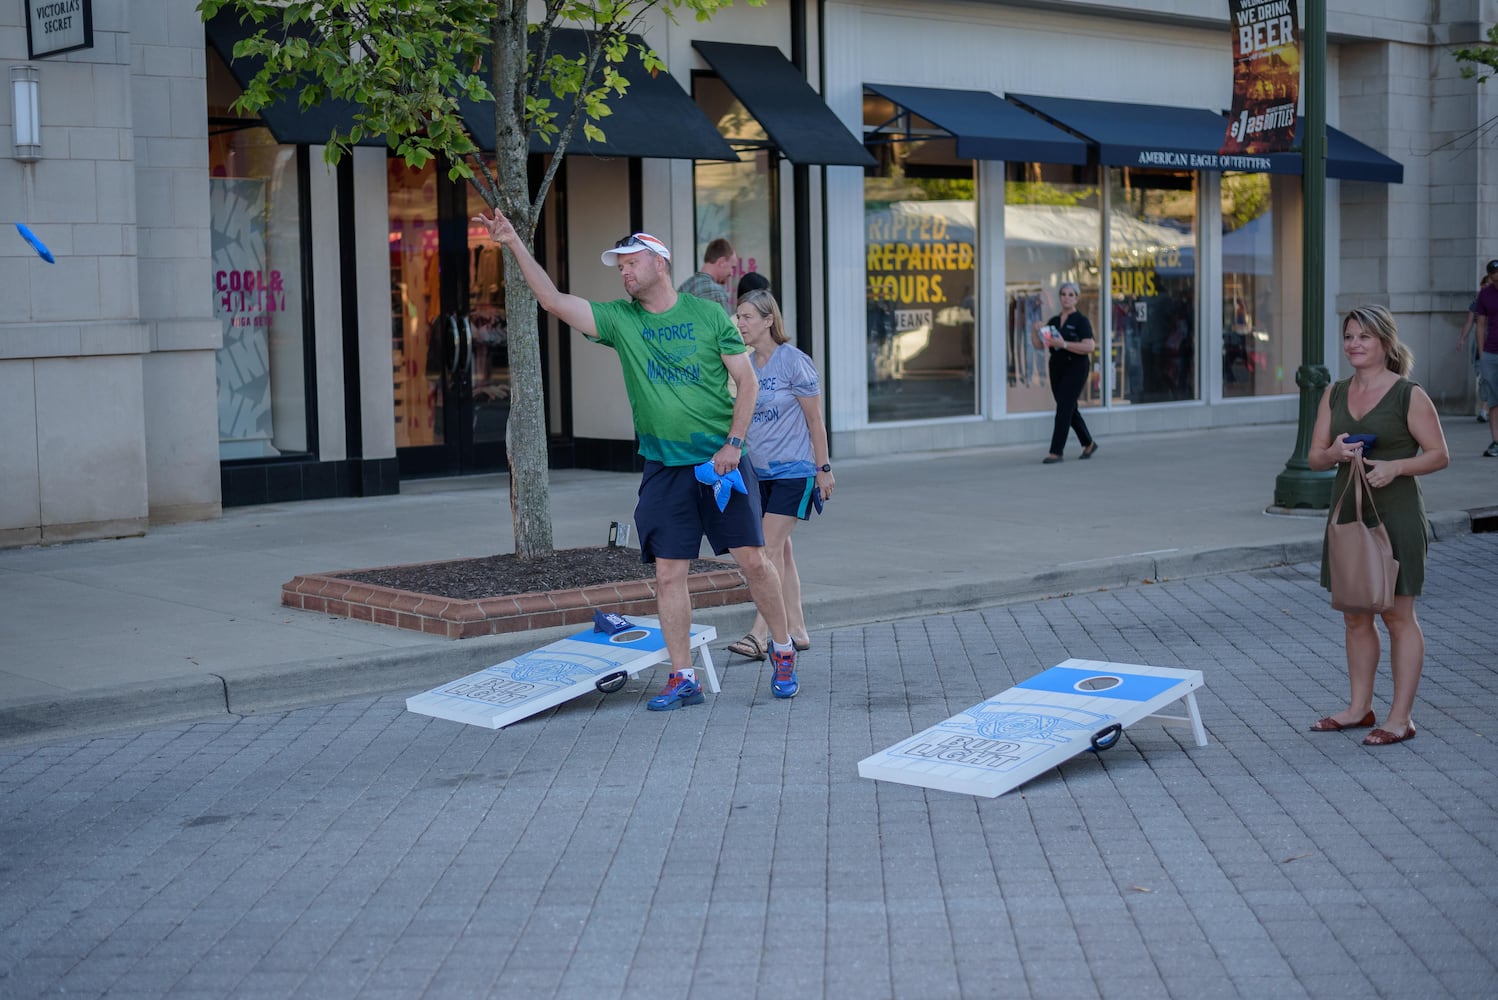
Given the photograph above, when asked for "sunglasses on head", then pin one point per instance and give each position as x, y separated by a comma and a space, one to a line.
635, 241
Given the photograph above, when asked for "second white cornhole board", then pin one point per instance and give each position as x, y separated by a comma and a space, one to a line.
560, 671
999, 744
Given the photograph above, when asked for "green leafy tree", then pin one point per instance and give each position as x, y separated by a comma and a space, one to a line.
404, 65
1481, 60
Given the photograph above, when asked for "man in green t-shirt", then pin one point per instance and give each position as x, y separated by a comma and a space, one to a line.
678, 354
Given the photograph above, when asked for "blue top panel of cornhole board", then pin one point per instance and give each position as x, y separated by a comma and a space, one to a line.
999, 744
533, 682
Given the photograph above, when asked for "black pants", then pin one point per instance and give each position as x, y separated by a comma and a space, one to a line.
1068, 376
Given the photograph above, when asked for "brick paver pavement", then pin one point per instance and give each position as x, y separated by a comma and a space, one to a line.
731, 850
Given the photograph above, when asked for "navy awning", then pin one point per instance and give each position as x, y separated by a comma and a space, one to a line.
1153, 135
654, 118
793, 115
285, 119
986, 126
1347, 159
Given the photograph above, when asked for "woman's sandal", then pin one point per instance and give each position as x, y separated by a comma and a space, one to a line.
802, 645
1383, 738
1331, 725
749, 647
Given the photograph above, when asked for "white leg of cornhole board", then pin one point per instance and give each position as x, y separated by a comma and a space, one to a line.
560, 671
999, 744
1192, 718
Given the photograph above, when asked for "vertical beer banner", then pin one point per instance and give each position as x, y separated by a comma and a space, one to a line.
1266, 76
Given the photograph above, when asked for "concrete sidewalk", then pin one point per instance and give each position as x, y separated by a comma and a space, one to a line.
186, 621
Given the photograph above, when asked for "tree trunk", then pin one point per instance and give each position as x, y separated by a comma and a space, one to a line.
525, 434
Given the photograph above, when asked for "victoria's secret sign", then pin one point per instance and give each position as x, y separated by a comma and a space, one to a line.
54, 26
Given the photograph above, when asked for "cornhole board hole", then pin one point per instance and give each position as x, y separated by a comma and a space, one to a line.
999, 744
533, 682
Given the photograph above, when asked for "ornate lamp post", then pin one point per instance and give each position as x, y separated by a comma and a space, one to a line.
1297, 485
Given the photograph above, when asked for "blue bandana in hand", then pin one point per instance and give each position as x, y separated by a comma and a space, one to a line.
724, 485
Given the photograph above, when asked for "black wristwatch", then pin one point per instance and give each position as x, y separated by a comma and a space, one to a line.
737, 442
825, 468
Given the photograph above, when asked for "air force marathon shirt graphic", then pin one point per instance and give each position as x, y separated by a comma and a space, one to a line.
674, 374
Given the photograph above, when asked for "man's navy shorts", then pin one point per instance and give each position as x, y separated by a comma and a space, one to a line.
791, 497
675, 511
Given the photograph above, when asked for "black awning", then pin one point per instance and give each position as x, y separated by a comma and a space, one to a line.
1347, 159
986, 126
778, 96
286, 121
1153, 135
654, 118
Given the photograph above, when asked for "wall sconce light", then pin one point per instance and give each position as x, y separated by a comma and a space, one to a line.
24, 88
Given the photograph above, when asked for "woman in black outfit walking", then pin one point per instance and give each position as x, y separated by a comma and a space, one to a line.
1069, 337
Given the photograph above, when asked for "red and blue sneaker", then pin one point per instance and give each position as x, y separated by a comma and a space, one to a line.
784, 683
679, 692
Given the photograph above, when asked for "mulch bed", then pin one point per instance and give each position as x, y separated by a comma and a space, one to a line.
462, 598
502, 575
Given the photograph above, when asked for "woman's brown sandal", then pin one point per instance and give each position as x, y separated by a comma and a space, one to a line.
1384, 738
749, 647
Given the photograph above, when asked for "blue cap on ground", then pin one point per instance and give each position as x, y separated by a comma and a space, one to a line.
608, 622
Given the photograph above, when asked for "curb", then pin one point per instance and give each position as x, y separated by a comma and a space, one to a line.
305, 683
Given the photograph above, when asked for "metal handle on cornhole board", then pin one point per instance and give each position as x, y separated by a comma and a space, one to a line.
1106, 738
609, 683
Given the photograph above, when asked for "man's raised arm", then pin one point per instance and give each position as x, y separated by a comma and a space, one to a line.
574, 310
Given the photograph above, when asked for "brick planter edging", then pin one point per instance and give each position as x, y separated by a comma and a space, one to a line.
452, 618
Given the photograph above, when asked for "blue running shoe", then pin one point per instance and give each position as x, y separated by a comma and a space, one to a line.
679, 692
784, 683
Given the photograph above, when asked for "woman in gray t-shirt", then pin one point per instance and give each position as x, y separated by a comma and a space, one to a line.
787, 445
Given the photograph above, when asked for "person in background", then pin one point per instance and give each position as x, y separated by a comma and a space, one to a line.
1483, 315
751, 281
1380, 399
1475, 354
788, 448
684, 416
711, 283
1071, 345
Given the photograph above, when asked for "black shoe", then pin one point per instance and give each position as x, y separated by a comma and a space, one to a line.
1090, 450
1050, 460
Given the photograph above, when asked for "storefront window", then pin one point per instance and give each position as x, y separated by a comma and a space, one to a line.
1052, 232
734, 200
920, 252
1152, 239
488, 377
1261, 345
449, 330
415, 304
255, 211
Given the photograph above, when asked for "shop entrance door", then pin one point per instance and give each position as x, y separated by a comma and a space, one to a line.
451, 368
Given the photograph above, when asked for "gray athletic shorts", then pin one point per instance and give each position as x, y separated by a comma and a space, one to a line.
1487, 376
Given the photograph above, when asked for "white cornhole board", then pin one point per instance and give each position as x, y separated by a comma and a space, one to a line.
999, 744
533, 682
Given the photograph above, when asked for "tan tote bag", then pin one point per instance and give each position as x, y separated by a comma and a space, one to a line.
1363, 568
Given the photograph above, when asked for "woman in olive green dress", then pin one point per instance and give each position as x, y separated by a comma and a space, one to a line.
1378, 399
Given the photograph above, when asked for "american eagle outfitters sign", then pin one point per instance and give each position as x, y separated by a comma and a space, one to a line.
1266, 76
